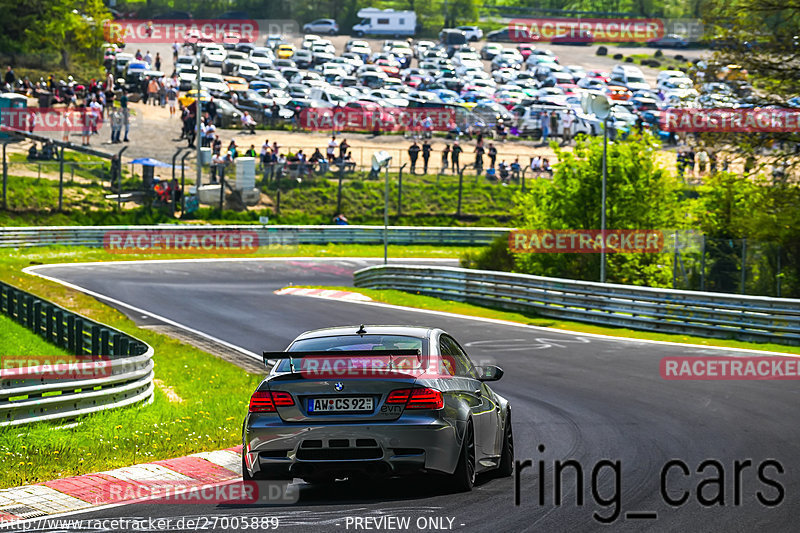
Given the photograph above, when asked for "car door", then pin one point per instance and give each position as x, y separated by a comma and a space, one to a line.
480, 397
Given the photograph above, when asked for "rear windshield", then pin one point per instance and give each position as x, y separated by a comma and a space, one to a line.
345, 343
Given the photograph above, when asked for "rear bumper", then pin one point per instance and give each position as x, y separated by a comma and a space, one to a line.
410, 444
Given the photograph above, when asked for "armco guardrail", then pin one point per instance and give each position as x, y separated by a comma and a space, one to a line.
747, 318
92, 236
26, 398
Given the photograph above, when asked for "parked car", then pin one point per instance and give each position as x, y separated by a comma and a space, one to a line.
473, 33
670, 40
323, 26
227, 115
519, 35
234, 58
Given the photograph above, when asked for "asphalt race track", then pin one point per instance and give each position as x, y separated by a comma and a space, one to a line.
584, 398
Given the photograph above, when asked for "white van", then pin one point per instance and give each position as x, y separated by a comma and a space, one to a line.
376, 21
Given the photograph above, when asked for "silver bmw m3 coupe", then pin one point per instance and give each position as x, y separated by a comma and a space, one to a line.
376, 401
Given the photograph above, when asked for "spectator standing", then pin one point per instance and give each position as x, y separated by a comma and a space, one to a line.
96, 114
148, 58
455, 154
568, 124
343, 146
126, 118
479, 159
680, 163
216, 146
426, 155
116, 125
211, 108
152, 91
553, 123
413, 152
445, 157
172, 98
492, 155
690, 155
330, 151
158, 61
232, 149
10, 77
544, 119
175, 48
275, 114
702, 161
162, 91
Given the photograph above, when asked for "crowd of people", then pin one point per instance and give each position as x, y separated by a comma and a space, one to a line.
451, 160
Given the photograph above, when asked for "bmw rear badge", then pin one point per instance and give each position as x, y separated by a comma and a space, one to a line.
338, 385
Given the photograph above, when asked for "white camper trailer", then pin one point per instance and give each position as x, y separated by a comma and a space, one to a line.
376, 21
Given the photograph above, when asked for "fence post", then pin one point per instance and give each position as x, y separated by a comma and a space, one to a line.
778, 277
744, 264
5, 177
78, 329
278, 195
60, 328
675, 260
339, 192
71, 333
221, 192
95, 340
460, 189
61, 180
400, 190
703, 264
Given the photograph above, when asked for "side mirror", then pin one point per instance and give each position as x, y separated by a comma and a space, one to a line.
489, 373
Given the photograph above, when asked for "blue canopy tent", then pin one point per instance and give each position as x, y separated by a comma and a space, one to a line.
149, 162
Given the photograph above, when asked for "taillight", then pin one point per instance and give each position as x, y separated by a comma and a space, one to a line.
265, 401
398, 396
423, 398
282, 399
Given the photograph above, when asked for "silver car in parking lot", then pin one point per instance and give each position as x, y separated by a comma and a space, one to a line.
376, 401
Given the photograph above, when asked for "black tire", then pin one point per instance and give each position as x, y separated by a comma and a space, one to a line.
463, 479
332, 32
359, 34
506, 466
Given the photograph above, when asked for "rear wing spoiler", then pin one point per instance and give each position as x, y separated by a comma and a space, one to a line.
291, 356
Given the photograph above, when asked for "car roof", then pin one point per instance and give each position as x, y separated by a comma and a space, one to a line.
411, 331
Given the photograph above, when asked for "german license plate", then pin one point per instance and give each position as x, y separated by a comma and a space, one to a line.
343, 404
